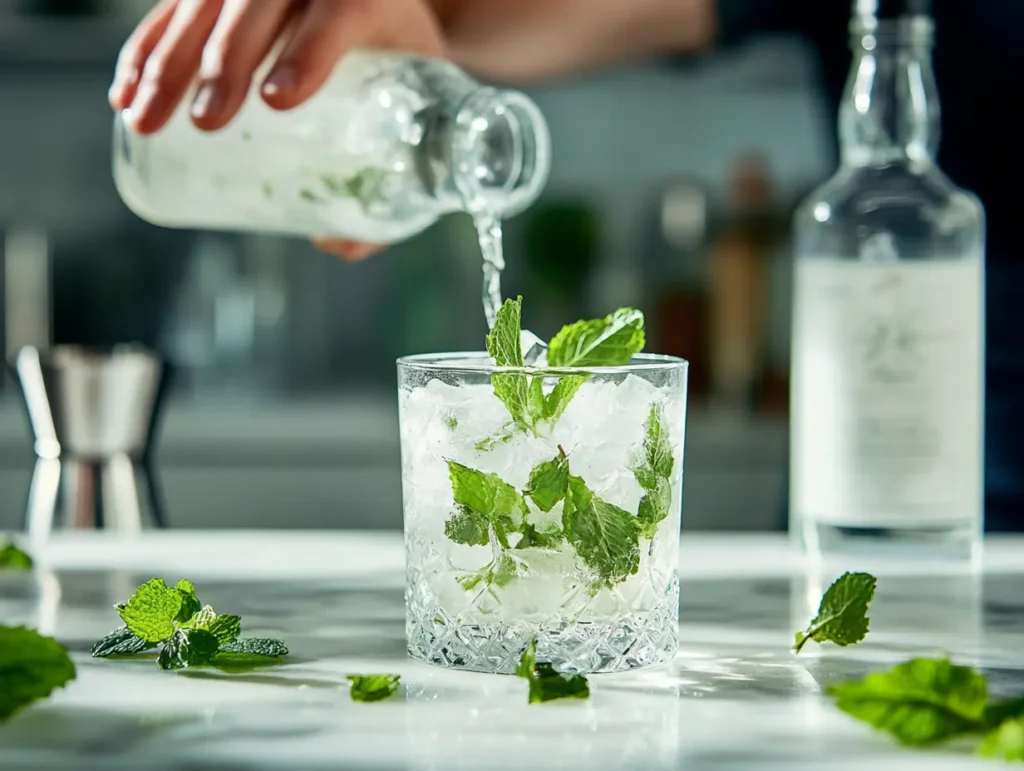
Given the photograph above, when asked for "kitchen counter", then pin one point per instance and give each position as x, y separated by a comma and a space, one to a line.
734, 698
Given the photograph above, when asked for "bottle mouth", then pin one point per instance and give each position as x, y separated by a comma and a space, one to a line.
503, 152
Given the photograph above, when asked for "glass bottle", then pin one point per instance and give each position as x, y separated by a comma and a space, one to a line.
888, 331
386, 147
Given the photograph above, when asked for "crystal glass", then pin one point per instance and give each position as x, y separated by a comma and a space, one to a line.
501, 549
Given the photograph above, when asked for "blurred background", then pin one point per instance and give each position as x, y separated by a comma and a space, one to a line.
672, 190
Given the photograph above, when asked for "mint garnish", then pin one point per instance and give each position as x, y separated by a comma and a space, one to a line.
549, 482
1006, 742
608, 342
188, 633
604, 536
484, 498
368, 688
653, 471
13, 558
32, 666
843, 612
547, 683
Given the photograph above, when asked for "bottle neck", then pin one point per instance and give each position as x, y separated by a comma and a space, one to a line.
890, 111
489, 155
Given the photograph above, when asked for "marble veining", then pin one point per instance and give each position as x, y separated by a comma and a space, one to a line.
733, 698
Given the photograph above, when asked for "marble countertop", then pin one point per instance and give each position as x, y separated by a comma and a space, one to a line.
734, 698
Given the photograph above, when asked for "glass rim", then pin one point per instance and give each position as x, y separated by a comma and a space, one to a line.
463, 362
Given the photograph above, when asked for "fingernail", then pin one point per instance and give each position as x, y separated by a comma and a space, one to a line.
282, 79
207, 100
119, 86
143, 102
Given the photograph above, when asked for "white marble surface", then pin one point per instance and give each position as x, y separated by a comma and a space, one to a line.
734, 698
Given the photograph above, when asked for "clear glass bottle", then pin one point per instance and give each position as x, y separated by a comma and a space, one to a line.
888, 329
386, 147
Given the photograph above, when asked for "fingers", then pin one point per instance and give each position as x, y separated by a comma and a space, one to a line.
172, 66
242, 38
136, 51
350, 251
330, 28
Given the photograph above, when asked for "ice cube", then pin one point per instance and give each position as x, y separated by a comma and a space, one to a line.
535, 350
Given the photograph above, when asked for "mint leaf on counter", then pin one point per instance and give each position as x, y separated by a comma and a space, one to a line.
604, 536
549, 482
547, 683
1006, 742
608, 342
226, 629
368, 688
150, 613
13, 558
919, 702
121, 642
188, 648
190, 604
32, 666
254, 646
842, 615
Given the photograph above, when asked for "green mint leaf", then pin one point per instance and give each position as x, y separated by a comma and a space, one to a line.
226, 629
536, 539
468, 527
548, 684
188, 648
373, 687
843, 613
121, 642
190, 604
527, 660
919, 702
254, 646
608, 342
505, 343
656, 460
563, 392
1004, 743
604, 536
499, 572
202, 619
152, 610
654, 508
32, 666
490, 497
549, 482
13, 558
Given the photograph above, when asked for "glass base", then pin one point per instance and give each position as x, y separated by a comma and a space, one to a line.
957, 546
621, 643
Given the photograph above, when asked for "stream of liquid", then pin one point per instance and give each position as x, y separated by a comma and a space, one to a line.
488, 228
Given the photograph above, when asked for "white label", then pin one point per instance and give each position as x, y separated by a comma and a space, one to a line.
887, 392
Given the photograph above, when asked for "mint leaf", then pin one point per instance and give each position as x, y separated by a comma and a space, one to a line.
32, 667
842, 615
608, 342
547, 683
498, 572
654, 508
190, 604
152, 610
604, 536
505, 343
560, 396
201, 620
467, 527
226, 629
655, 460
527, 660
13, 558
254, 646
188, 648
549, 482
121, 642
490, 497
537, 539
1006, 742
919, 702
373, 687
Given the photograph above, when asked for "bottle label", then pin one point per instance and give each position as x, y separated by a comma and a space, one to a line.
887, 399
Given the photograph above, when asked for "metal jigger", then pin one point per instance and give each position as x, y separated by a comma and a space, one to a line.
93, 417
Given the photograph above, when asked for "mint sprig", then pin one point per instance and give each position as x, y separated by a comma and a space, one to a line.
546, 682
653, 471
32, 666
187, 633
13, 558
608, 342
369, 688
842, 616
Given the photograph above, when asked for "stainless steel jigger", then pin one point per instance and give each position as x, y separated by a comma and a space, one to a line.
93, 417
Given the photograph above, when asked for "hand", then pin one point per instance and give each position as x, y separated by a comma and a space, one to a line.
222, 42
